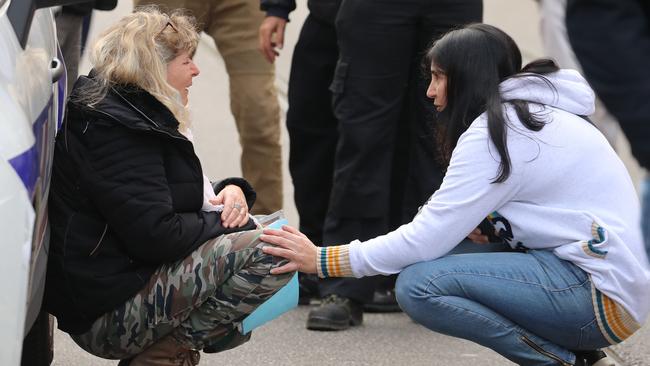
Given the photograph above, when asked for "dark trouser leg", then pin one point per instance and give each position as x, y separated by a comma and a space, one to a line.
424, 172
380, 46
369, 89
313, 131
311, 124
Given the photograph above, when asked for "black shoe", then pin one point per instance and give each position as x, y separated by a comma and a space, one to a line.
231, 340
335, 313
308, 288
593, 358
383, 301
124, 362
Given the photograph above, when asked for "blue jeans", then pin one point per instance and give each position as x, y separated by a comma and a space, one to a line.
532, 308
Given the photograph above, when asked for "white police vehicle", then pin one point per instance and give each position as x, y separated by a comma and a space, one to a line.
32, 89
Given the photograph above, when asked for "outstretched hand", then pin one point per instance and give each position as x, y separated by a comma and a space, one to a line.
292, 245
271, 37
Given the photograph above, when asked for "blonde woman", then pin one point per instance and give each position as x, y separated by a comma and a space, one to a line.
147, 263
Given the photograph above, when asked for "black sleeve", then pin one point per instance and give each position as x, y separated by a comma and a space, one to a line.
85, 8
242, 183
124, 177
611, 40
105, 4
278, 8
81, 9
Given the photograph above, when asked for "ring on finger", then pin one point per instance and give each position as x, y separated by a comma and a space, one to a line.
236, 206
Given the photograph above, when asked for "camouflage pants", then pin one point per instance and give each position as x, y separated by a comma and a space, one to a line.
198, 299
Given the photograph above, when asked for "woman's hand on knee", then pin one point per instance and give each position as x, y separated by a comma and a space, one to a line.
235, 208
292, 245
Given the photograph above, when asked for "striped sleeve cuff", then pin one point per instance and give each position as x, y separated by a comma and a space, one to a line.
334, 261
615, 323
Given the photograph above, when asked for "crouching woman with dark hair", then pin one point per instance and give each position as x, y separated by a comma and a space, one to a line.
148, 261
522, 154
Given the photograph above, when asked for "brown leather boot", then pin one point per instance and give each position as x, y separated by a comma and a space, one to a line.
166, 352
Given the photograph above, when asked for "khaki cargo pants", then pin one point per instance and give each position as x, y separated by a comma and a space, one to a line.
234, 26
198, 299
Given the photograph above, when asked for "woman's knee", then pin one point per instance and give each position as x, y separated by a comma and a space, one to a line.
411, 287
421, 286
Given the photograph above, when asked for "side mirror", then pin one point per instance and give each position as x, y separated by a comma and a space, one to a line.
21, 12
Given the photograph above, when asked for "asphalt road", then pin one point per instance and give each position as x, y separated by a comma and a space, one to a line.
383, 339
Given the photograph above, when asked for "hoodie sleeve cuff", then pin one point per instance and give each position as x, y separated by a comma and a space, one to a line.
278, 11
334, 261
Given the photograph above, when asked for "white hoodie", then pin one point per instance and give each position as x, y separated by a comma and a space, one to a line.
568, 192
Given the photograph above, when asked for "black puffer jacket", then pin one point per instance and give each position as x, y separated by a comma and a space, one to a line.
126, 197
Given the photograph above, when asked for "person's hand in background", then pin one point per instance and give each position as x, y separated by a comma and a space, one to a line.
271, 37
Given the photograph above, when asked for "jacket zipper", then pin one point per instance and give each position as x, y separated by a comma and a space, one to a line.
100, 241
539, 349
152, 128
147, 117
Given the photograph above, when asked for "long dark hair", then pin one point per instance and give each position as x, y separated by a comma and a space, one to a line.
476, 59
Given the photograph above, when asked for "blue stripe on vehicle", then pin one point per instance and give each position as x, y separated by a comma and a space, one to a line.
62, 86
26, 164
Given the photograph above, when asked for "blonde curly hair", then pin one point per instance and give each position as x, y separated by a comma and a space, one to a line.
136, 51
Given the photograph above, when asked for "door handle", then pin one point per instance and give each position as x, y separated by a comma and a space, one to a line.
56, 69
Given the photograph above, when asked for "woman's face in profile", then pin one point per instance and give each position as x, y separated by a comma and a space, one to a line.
180, 72
438, 88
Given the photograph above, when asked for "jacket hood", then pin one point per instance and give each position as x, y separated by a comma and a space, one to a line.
569, 92
130, 106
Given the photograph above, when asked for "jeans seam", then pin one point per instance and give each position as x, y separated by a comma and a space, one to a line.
430, 282
440, 299
515, 328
